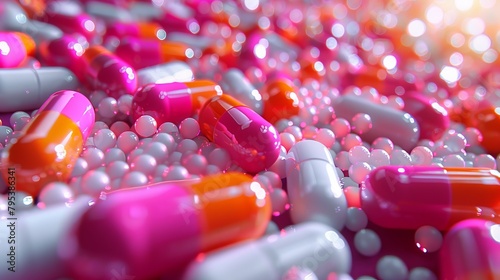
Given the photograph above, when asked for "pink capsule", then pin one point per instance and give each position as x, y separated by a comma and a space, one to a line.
105, 71
142, 53
471, 250
252, 142
172, 102
144, 30
14, 48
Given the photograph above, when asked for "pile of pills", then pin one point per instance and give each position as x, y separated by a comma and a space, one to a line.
249, 139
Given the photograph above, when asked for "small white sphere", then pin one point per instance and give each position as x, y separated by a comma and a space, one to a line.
456, 141
453, 161
428, 239
350, 140
158, 150
342, 160
19, 120
114, 154
134, 179
127, 141
359, 154
145, 126
55, 193
356, 219
326, 137
421, 155
472, 136
220, 158
400, 157
367, 242
421, 273
167, 140
295, 131
80, 167
274, 179
186, 146
212, 170
361, 123
189, 128
134, 154
171, 129
272, 228
391, 268
485, 160
125, 104
143, 143
95, 182
359, 171
279, 167
94, 157
107, 108
98, 125
104, 139
379, 157
287, 140
176, 172
195, 163
119, 127
384, 144
279, 201
175, 158
340, 127
117, 169
96, 97
144, 163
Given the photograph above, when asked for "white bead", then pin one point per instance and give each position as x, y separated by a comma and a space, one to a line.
350, 140
117, 169
94, 157
104, 139
171, 129
127, 141
391, 268
361, 123
428, 239
359, 154
95, 182
274, 179
176, 172
356, 219
326, 137
367, 242
195, 163
114, 154
421, 155
421, 273
19, 120
143, 163
125, 104
189, 128
158, 150
166, 139
287, 140
98, 125
379, 157
80, 167
384, 144
295, 131
485, 160
400, 157
340, 127
107, 108
55, 193
279, 201
342, 160
119, 127
145, 126
359, 171
220, 158
187, 145
453, 161
134, 179
279, 167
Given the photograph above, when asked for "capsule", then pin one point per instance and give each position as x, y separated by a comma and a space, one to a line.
16, 47
153, 230
143, 30
172, 102
471, 250
313, 185
108, 12
485, 116
49, 145
36, 86
432, 118
387, 122
280, 100
38, 233
106, 71
413, 196
252, 142
309, 246
175, 71
141, 53
238, 86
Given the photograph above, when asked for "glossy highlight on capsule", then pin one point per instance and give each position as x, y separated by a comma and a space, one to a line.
173, 102
49, 145
153, 230
408, 197
15, 48
252, 142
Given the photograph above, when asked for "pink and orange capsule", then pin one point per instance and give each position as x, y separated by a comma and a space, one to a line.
408, 197
15, 47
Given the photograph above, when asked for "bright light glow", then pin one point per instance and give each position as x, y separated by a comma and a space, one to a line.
495, 232
490, 56
296, 16
474, 26
4, 48
89, 25
259, 51
450, 74
338, 30
416, 28
457, 40
389, 62
480, 43
456, 59
434, 14
464, 5
252, 4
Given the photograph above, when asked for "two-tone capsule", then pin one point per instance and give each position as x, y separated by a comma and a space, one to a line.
15, 47
49, 145
173, 102
252, 142
408, 197
154, 230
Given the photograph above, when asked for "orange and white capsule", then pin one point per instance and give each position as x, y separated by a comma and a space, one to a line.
49, 145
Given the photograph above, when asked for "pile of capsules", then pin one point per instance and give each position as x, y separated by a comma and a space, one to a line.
249, 139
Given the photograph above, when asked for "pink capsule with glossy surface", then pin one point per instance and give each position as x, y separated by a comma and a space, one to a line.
471, 250
14, 48
172, 102
408, 197
252, 142
105, 71
71, 20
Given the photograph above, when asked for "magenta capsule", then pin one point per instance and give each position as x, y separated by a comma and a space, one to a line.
172, 102
471, 250
15, 48
408, 197
105, 71
252, 142
431, 117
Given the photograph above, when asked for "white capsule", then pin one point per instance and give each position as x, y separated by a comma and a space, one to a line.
37, 234
237, 85
170, 72
394, 124
36, 86
314, 189
309, 246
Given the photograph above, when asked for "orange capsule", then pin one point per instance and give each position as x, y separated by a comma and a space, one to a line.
280, 100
